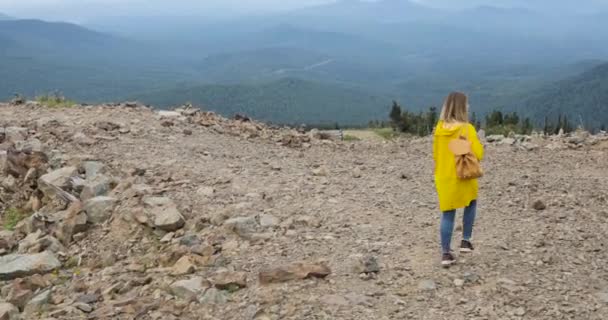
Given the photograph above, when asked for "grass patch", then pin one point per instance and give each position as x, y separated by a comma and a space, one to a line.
12, 216
386, 133
55, 101
348, 137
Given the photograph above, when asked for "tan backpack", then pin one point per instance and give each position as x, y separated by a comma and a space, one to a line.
467, 164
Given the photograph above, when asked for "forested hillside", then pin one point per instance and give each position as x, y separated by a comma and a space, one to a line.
284, 101
583, 98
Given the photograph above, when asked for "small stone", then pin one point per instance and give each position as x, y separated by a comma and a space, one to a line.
539, 205
427, 285
205, 191
230, 280
164, 213
495, 138
320, 172
183, 266
298, 270
367, 264
99, 209
520, 312
38, 303
458, 282
88, 298
93, 168
243, 226
8, 311
268, 220
214, 296
189, 289
167, 238
86, 308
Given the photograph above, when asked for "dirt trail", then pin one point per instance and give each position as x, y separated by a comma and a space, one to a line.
369, 198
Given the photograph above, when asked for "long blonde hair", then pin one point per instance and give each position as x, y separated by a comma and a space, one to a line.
456, 108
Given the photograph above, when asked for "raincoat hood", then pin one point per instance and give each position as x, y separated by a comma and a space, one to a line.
450, 130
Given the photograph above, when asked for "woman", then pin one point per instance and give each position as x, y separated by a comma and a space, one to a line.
453, 192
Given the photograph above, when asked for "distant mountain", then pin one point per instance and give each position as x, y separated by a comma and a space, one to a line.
5, 17
284, 101
583, 98
55, 37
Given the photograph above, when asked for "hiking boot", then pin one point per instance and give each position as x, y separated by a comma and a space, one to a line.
466, 246
447, 259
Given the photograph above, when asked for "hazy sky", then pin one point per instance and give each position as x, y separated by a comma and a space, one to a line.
75, 10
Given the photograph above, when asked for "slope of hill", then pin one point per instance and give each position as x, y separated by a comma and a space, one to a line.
283, 101
584, 98
225, 223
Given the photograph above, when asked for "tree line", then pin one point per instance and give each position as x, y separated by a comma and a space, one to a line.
495, 122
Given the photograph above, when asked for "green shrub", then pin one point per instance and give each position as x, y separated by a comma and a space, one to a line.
386, 133
55, 100
348, 137
12, 216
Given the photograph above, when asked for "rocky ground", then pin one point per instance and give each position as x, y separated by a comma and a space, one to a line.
121, 212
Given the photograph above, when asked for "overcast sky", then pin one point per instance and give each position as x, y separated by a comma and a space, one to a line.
75, 10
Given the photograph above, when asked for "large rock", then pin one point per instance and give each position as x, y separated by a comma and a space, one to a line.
163, 213
96, 186
8, 311
59, 178
38, 303
189, 289
20, 265
298, 270
99, 209
93, 169
243, 226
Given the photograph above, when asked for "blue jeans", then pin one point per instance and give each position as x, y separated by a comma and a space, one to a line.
447, 225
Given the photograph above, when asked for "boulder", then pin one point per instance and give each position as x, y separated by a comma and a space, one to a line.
96, 186
93, 168
163, 213
99, 209
21, 265
59, 178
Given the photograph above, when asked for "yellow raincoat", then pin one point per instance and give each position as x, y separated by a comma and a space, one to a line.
453, 192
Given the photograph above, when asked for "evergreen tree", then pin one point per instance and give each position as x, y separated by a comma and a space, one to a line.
527, 126
395, 115
432, 119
